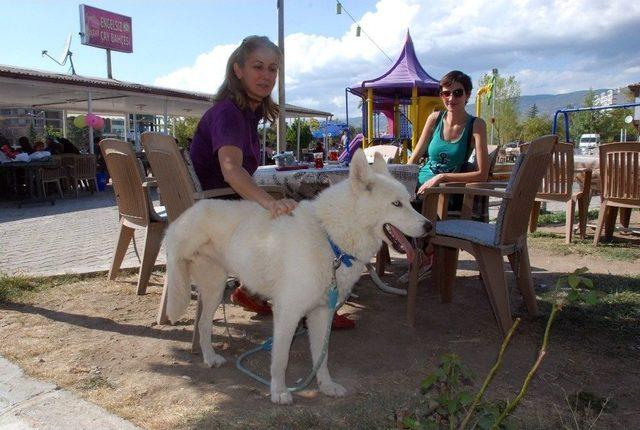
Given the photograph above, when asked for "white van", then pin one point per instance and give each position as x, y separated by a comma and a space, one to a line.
589, 141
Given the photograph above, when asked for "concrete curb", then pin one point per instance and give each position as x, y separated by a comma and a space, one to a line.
30, 404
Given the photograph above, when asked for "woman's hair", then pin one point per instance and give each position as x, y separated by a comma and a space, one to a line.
232, 88
457, 76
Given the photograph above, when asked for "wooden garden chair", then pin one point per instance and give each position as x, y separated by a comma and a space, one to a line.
488, 242
557, 186
135, 208
83, 172
53, 175
619, 184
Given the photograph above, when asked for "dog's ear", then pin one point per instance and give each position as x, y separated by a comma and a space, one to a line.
379, 165
360, 173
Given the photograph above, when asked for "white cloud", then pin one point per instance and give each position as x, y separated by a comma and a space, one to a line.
550, 46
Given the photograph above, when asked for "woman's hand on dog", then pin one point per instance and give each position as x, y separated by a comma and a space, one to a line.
281, 207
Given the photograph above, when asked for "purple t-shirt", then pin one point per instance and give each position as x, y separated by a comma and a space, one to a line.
222, 125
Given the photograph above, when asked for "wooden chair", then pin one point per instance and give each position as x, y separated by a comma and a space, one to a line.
53, 175
557, 186
488, 243
135, 208
619, 184
82, 172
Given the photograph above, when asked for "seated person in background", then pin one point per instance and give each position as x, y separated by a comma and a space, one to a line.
448, 138
67, 146
53, 146
25, 145
38, 145
226, 147
319, 146
268, 153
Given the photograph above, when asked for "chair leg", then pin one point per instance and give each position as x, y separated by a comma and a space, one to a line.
570, 211
625, 217
522, 269
533, 217
382, 259
412, 288
610, 222
162, 318
124, 239
583, 211
601, 217
195, 340
60, 189
491, 266
448, 267
152, 242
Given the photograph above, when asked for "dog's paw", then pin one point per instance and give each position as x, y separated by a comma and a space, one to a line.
333, 389
281, 398
213, 360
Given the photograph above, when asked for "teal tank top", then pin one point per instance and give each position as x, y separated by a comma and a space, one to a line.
445, 156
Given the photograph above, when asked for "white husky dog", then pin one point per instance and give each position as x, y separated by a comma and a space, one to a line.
287, 259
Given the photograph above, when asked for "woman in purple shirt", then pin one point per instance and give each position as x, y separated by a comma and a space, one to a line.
225, 148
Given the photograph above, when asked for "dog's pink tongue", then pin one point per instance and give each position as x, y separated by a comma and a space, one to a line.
404, 243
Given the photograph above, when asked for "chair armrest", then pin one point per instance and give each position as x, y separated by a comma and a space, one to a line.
586, 184
214, 193
487, 185
476, 191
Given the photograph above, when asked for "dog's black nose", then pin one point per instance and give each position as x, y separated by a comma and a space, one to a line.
427, 226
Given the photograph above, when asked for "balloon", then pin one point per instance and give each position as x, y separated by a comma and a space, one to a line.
98, 123
80, 121
90, 120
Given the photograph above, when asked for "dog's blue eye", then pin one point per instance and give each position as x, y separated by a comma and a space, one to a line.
397, 204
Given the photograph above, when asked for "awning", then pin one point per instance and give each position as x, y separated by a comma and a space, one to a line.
36, 89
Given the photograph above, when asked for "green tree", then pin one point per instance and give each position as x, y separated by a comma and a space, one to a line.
507, 96
534, 127
588, 121
533, 111
184, 128
292, 134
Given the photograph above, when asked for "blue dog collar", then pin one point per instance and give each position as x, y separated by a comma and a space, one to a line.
343, 257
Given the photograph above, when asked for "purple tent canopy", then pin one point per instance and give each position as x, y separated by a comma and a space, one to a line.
401, 78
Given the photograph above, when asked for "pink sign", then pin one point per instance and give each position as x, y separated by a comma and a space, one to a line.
104, 29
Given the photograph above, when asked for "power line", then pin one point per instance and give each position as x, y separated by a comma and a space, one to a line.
340, 7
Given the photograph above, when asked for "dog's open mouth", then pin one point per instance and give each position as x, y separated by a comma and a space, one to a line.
398, 241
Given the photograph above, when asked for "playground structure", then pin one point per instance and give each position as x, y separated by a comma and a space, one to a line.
405, 94
566, 112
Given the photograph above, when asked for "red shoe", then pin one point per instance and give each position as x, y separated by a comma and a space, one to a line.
341, 322
250, 303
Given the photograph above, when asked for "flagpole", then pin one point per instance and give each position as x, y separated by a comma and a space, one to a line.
493, 102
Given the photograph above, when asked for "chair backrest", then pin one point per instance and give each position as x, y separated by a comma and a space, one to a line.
619, 172
133, 200
169, 168
85, 166
526, 175
557, 183
388, 152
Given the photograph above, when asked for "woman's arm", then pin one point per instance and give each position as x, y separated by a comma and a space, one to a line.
425, 138
230, 159
482, 158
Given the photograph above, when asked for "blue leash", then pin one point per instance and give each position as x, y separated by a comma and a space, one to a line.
332, 303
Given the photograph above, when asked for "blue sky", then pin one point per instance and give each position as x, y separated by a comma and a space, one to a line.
549, 46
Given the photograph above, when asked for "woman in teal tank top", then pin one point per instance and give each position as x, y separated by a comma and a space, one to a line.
449, 137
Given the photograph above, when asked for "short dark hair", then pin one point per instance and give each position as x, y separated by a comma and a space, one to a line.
456, 76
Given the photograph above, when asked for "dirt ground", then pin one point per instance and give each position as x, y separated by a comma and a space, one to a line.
99, 340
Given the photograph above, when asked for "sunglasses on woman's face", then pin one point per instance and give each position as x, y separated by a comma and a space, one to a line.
455, 93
